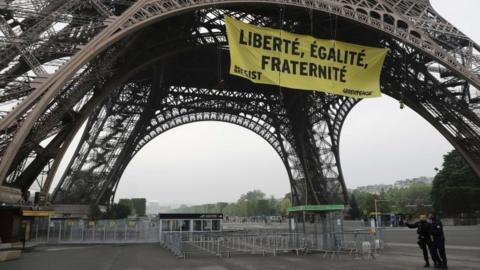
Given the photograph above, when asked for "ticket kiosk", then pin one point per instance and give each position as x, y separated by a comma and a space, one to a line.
181, 222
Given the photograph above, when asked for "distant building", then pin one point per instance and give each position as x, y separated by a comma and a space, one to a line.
377, 189
408, 182
374, 189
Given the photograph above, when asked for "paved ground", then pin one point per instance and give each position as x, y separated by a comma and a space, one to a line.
466, 237
463, 248
455, 236
127, 257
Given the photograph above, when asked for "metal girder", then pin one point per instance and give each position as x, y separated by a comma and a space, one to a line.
432, 100
101, 8
144, 11
27, 55
146, 126
43, 25
48, 33
431, 67
105, 157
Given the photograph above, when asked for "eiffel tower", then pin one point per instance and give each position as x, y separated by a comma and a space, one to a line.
131, 70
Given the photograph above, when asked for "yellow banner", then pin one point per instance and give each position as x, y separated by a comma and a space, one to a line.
36, 213
273, 56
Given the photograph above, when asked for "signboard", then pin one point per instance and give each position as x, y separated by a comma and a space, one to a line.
300, 62
36, 213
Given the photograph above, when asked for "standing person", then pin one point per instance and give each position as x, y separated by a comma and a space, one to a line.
438, 240
424, 240
23, 235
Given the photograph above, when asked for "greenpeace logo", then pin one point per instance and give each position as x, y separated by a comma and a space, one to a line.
357, 92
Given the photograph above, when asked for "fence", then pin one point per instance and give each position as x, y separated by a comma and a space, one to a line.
224, 243
186, 244
360, 242
103, 231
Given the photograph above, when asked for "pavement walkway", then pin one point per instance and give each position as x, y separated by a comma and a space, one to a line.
153, 256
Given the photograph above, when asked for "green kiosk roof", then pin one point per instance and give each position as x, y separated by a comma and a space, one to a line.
316, 208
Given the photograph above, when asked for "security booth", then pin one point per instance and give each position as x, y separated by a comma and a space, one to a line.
323, 224
10, 223
18, 222
35, 222
180, 222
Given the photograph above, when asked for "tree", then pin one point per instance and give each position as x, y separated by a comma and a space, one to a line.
253, 203
139, 206
369, 206
128, 203
365, 201
220, 206
284, 205
231, 210
117, 211
274, 206
456, 187
412, 200
262, 208
94, 212
354, 210
249, 202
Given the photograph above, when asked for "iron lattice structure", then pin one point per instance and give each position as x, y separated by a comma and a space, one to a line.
132, 70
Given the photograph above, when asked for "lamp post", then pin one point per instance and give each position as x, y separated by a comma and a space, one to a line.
376, 211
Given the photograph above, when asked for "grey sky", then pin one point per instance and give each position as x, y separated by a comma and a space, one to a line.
212, 161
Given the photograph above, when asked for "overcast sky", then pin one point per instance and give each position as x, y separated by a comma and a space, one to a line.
212, 161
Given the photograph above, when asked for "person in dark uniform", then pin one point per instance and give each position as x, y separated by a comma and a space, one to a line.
424, 240
22, 236
438, 240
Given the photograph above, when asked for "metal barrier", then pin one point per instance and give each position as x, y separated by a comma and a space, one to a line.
173, 242
185, 244
360, 242
225, 243
103, 231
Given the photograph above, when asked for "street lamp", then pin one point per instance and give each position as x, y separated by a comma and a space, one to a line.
376, 211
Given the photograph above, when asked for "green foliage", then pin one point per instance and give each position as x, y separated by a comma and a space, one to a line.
354, 210
117, 211
263, 207
253, 203
136, 206
139, 206
456, 187
249, 202
204, 208
284, 205
412, 200
221, 206
366, 202
94, 212
127, 203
